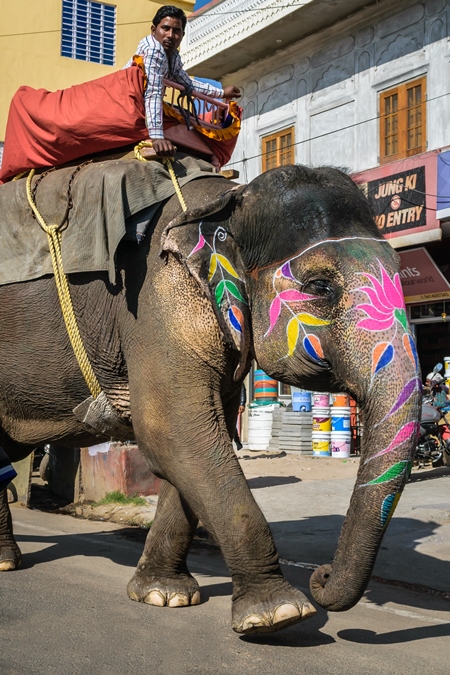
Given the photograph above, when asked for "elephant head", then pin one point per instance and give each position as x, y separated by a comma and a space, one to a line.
300, 278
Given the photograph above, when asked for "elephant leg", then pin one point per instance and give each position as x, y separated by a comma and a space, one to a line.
162, 577
213, 485
9, 551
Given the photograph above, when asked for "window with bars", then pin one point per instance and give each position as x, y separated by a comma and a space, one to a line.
403, 121
88, 31
278, 149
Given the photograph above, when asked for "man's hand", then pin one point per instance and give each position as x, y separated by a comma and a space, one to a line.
241, 409
231, 92
163, 147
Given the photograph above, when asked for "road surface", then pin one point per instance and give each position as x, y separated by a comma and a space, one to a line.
66, 612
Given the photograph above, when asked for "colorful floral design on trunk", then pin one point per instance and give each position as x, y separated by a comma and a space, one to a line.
387, 303
226, 291
386, 310
388, 507
398, 470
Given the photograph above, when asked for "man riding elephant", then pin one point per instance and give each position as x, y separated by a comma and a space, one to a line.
161, 58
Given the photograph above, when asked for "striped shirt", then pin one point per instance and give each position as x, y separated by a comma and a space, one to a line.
157, 66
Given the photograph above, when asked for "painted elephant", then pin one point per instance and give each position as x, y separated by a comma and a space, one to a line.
289, 270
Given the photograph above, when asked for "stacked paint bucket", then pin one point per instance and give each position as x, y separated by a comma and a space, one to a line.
340, 426
261, 409
321, 425
266, 389
301, 400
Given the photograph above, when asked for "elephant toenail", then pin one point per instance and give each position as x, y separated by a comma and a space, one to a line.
178, 600
7, 565
284, 613
308, 610
155, 598
252, 621
195, 600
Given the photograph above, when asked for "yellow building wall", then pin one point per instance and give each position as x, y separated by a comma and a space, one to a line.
30, 45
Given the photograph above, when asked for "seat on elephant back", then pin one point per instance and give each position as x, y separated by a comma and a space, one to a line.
199, 124
49, 129
111, 199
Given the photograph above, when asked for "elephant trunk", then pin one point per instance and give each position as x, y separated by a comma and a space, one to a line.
388, 447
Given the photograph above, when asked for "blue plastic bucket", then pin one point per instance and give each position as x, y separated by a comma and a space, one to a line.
301, 401
340, 419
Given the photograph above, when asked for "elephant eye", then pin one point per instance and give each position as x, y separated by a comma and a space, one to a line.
320, 287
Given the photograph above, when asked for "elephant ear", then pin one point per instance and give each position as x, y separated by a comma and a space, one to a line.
201, 240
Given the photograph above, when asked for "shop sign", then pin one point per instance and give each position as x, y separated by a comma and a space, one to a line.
403, 199
421, 279
398, 202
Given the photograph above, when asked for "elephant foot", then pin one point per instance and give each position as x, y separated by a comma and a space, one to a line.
180, 590
10, 558
281, 609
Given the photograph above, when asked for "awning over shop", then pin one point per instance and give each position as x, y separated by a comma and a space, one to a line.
422, 281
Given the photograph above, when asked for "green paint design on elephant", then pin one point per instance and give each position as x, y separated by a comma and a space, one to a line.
402, 468
227, 285
226, 289
401, 317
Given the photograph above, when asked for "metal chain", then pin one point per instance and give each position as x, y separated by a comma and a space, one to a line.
69, 204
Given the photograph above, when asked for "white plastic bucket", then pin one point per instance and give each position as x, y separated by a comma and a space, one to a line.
321, 400
321, 444
321, 420
340, 444
260, 422
340, 419
447, 366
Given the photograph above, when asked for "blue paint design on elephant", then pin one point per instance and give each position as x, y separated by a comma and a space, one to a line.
388, 507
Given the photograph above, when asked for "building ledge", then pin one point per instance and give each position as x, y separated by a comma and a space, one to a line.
227, 35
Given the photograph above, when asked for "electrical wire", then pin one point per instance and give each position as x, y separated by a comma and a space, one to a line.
210, 13
329, 133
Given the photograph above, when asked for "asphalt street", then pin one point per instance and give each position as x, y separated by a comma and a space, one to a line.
66, 612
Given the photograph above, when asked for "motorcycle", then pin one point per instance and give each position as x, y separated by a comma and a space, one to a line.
433, 445
41, 461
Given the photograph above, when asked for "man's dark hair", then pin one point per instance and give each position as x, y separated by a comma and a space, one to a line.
169, 10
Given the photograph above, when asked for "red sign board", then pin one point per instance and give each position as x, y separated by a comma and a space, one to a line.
403, 195
422, 280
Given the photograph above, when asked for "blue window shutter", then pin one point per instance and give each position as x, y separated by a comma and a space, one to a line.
88, 31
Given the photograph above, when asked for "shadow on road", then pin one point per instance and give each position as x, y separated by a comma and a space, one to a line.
368, 637
311, 540
271, 481
430, 474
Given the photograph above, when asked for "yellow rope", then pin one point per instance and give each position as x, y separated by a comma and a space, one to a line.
54, 240
168, 162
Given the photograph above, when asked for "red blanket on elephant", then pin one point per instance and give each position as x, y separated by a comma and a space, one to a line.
47, 128
51, 128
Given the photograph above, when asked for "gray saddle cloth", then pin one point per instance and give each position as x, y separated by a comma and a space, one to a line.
111, 199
